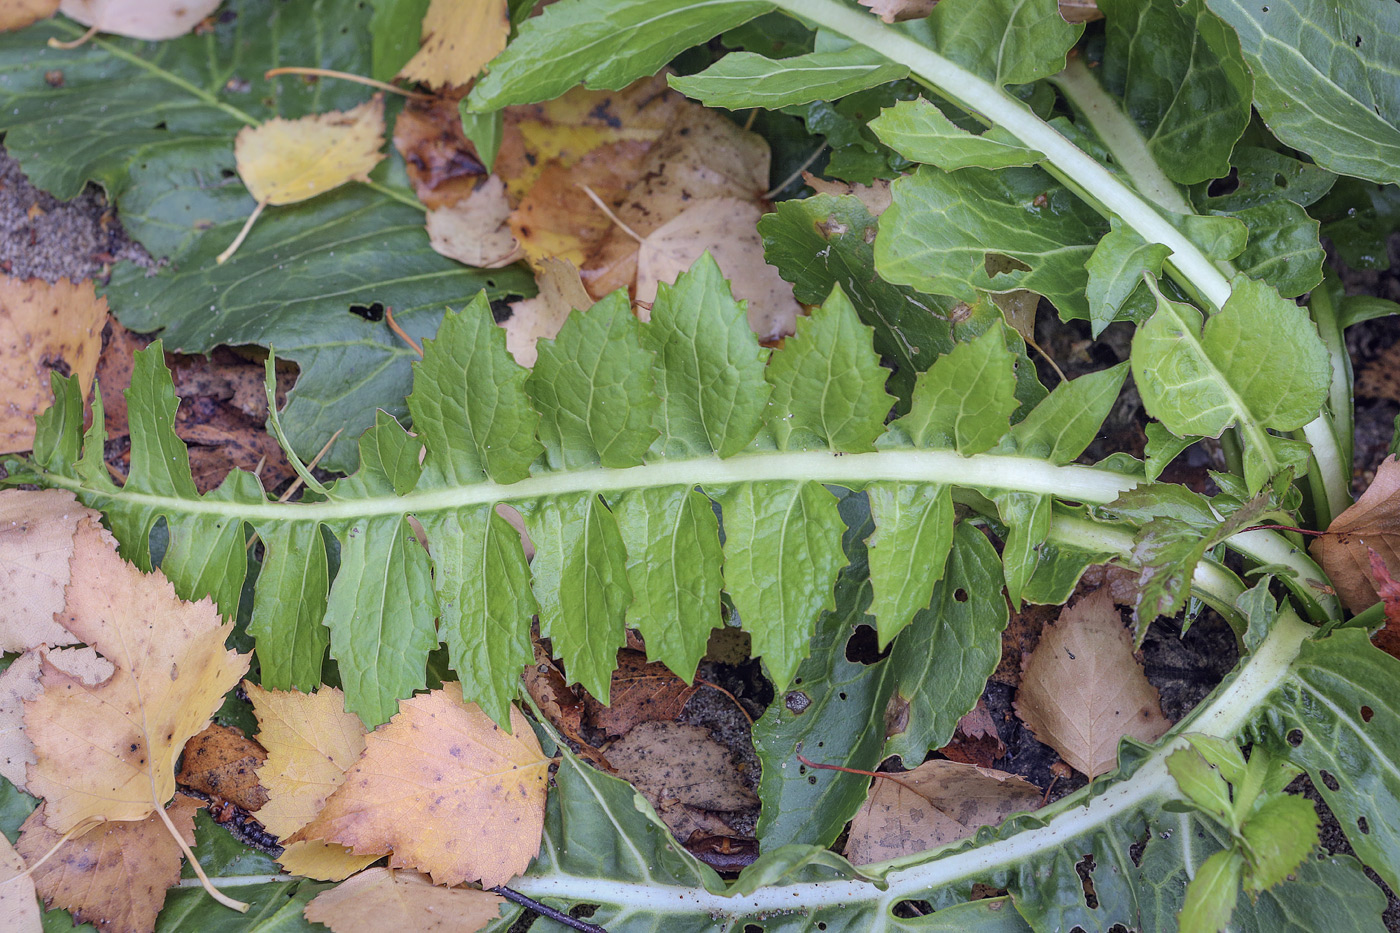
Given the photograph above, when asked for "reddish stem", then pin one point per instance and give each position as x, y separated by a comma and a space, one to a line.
1301, 531
875, 774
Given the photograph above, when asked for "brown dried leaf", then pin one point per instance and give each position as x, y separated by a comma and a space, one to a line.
115, 874
459, 37
1082, 689
673, 763
556, 218
976, 741
876, 197
446, 790
1373, 521
441, 162
44, 328
311, 742
107, 752
475, 230
1388, 638
36, 548
16, 14
140, 19
20, 682
19, 903
640, 692
895, 11
726, 228
384, 899
532, 319
936, 803
222, 762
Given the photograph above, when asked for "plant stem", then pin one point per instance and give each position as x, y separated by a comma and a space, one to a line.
544, 910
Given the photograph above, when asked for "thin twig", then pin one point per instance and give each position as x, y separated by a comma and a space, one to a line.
753, 115
403, 335
1046, 356
242, 234
296, 483
768, 195
544, 910
346, 76
742, 712
55, 44
611, 216
1301, 531
875, 774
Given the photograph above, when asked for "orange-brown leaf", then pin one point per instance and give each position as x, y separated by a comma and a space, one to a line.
115, 875
1373, 521
222, 762
446, 790
16, 14
384, 899
976, 741
44, 328
936, 803
103, 751
641, 691
1388, 638
1082, 689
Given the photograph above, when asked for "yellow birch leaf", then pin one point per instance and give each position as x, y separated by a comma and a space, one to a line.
285, 161
36, 549
1082, 689
107, 752
19, 906
114, 875
20, 682
311, 742
140, 19
383, 899
459, 38
446, 789
43, 328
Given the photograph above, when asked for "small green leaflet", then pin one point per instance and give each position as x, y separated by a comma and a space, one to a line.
920, 132
744, 79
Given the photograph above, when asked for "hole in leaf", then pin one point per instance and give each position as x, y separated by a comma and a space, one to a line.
1138, 847
1280, 181
999, 263
812, 779
1295, 738
752, 928
797, 702
1362, 825
908, 909
1223, 186
583, 911
821, 924
374, 313
500, 310
1084, 868
1367, 713
863, 647
1329, 781
1358, 42
960, 595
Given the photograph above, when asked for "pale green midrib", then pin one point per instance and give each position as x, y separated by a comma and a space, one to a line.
984, 98
983, 471
1225, 716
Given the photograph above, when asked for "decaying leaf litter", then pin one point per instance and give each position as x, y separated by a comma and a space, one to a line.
603, 719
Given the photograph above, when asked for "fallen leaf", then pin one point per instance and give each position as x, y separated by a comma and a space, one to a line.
533, 319
936, 803
702, 154
44, 328
36, 549
726, 228
16, 14
19, 904
677, 763
475, 230
140, 19
107, 752
446, 790
459, 38
975, 741
1388, 638
894, 11
1121, 582
552, 694
1082, 690
557, 219
20, 682
441, 162
222, 762
1372, 521
311, 741
1080, 11
876, 197
115, 874
285, 161
384, 899
640, 692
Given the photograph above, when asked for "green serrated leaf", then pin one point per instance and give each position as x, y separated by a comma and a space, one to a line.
483, 590
828, 385
908, 549
390, 450
1061, 427
941, 662
396, 28
673, 565
1202, 784
1116, 269
1324, 79
1030, 37
1278, 836
580, 581
1027, 517
289, 604
943, 228
1210, 898
592, 384
794, 526
481, 425
1283, 248
1265, 176
966, 399
709, 366
743, 79
1162, 448
921, 132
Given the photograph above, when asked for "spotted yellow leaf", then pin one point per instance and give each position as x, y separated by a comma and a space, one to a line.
285, 161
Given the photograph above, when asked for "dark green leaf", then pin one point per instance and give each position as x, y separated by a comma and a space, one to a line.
742, 80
